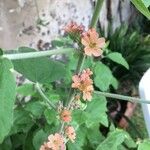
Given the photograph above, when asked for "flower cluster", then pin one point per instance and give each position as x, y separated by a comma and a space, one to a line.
74, 28
92, 43
55, 142
84, 83
70, 133
65, 115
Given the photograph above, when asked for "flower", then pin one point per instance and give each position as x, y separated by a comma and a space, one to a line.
70, 133
92, 43
72, 27
44, 146
55, 142
84, 83
65, 115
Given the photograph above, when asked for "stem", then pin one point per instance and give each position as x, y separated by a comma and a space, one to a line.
80, 63
44, 96
37, 54
121, 97
96, 13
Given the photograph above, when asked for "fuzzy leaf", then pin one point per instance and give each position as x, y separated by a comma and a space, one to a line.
117, 57
102, 76
115, 139
42, 70
7, 97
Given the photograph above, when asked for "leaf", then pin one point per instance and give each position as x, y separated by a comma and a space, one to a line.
141, 7
146, 3
22, 121
42, 70
117, 57
7, 97
94, 136
102, 76
114, 83
50, 116
145, 145
115, 139
36, 108
39, 139
79, 116
96, 110
6, 145
26, 89
1, 52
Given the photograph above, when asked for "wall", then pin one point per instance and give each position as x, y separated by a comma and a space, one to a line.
19, 27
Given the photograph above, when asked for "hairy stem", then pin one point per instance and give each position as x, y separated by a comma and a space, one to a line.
37, 54
122, 97
44, 96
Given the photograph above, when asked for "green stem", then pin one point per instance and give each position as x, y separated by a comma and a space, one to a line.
44, 96
80, 63
96, 13
37, 54
121, 97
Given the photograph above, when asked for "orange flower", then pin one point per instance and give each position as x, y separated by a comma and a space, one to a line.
72, 27
55, 142
92, 43
65, 115
84, 83
70, 133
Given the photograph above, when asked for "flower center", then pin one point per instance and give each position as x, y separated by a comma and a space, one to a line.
92, 45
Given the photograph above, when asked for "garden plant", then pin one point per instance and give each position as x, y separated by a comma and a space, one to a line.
63, 103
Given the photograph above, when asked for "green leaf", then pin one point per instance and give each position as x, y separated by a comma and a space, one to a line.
42, 70
26, 89
96, 110
146, 3
1, 52
117, 57
102, 76
145, 145
115, 139
79, 116
94, 136
39, 138
7, 97
36, 108
114, 83
6, 145
22, 121
50, 116
141, 7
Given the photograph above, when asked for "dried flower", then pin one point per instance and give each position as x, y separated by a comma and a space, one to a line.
84, 83
65, 115
92, 43
72, 27
70, 133
55, 142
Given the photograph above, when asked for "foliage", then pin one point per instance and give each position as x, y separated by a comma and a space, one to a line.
135, 48
142, 6
61, 93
